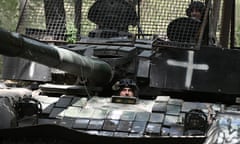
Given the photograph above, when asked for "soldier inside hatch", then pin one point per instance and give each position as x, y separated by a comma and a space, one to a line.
126, 87
196, 10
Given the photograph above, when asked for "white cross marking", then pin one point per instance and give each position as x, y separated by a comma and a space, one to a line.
190, 67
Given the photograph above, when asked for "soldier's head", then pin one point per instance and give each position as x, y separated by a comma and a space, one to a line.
196, 10
126, 87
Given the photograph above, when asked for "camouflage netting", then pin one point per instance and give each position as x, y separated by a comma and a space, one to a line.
73, 20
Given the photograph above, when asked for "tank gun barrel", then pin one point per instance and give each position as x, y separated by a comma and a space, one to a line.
15, 45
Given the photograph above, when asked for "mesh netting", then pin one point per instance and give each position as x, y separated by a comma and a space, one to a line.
77, 19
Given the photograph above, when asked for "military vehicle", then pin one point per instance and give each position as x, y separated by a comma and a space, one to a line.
65, 56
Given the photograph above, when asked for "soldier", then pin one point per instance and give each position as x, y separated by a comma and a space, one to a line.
196, 10
126, 87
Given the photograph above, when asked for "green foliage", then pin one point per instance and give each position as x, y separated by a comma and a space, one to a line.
71, 33
237, 30
9, 14
9, 17
238, 36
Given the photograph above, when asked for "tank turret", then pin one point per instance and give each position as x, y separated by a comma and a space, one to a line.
15, 45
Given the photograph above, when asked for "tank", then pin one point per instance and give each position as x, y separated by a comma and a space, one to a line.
64, 64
